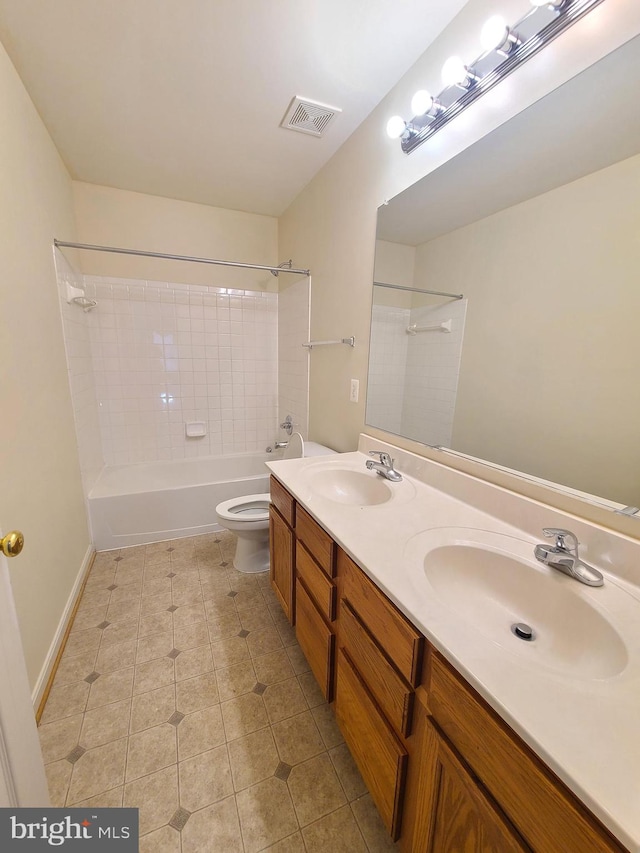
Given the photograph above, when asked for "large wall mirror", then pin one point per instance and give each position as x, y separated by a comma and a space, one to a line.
506, 309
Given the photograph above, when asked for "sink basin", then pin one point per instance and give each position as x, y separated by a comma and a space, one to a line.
491, 581
346, 486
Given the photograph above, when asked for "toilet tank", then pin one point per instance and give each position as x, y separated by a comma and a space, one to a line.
298, 447
312, 448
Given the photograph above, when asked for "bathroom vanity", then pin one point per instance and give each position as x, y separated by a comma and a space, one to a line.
467, 736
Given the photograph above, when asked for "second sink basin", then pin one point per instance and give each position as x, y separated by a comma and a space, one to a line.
347, 486
492, 581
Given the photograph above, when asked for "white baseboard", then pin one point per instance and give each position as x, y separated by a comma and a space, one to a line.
45, 672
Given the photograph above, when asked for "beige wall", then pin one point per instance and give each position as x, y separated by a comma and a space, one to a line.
40, 486
394, 263
331, 225
548, 378
111, 217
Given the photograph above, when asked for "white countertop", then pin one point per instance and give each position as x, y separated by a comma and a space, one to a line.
586, 729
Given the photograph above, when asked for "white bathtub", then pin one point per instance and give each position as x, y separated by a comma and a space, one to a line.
152, 501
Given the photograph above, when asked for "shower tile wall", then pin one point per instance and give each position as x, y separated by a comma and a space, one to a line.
293, 358
387, 365
431, 379
413, 379
77, 341
165, 354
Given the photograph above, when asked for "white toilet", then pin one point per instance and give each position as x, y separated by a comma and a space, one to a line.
248, 515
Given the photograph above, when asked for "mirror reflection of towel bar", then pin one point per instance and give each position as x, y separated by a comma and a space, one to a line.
440, 327
351, 342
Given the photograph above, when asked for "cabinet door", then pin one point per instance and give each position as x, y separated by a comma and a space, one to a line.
516, 778
465, 820
447, 811
316, 640
378, 752
281, 543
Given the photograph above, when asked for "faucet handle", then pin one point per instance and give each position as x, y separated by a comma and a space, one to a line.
287, 425
384, 458
559, 534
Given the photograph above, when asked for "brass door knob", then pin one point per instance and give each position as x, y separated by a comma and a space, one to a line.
11, 544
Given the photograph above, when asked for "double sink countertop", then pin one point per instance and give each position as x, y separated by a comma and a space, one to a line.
455, 554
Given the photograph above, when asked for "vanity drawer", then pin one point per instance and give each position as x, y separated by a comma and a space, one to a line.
381, 758
283, 501
316, 640
516, 778
321, 589
402, 643
317, 541
390, 690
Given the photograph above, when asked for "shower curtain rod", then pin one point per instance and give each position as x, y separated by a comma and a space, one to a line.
61, 244
417, 290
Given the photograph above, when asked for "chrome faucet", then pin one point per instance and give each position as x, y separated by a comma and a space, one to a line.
287, 425
564, 557
384, 467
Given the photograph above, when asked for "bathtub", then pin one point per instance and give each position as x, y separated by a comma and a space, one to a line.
152, 501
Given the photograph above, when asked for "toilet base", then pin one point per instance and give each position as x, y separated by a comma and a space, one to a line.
252, 555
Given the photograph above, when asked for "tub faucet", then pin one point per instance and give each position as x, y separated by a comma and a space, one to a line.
384, 467
564, 557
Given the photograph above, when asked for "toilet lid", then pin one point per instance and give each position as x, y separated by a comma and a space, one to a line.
295, 447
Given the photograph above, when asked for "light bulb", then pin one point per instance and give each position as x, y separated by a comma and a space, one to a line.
396, 126
421, 102
494, 33
454, 72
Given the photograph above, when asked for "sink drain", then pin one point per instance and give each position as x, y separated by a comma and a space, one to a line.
522, 631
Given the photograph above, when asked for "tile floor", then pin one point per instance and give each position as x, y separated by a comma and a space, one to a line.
182, 691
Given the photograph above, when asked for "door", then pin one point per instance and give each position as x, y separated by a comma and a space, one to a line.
22, 777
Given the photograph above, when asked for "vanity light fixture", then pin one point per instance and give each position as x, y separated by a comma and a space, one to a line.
423, 103
456, 73
397, 127
505, 49
496, 35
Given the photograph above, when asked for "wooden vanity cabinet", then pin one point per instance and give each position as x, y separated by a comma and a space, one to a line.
379, 662
282, 547
302, 570
317, 542
472, 777
378, 751
451, 811
316, 599
316, 639
446, 773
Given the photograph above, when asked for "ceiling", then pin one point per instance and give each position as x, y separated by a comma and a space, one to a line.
184, 99
587, 124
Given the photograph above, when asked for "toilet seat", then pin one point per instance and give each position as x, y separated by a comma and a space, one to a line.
247, 510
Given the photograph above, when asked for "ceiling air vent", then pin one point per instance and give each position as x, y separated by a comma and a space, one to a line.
308, 116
